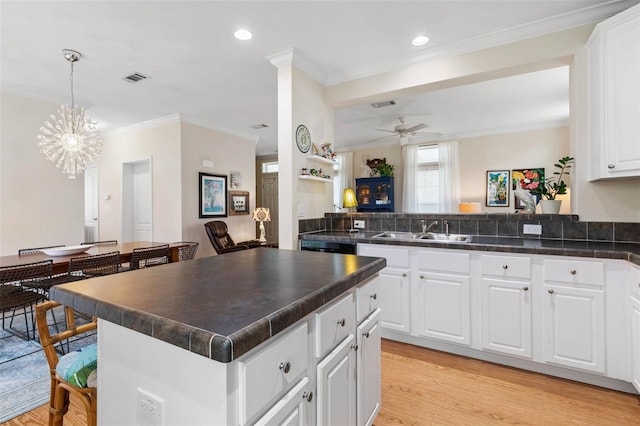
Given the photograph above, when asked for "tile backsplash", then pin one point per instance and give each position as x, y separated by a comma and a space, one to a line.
560, 227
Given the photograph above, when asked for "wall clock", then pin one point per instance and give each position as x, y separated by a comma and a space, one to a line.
303, 138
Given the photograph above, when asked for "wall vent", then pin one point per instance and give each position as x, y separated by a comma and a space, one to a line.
383, 103
136, 77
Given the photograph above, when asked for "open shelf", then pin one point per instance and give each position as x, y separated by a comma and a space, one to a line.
309, 177
320, 159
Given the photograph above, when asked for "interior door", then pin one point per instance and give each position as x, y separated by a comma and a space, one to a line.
91, 204
270, 201
137, 210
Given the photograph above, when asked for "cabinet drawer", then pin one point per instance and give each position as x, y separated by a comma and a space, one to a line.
574, 272
367, 298
444, 261
272, 371
506, 266
395, 256
333, 324
634, 281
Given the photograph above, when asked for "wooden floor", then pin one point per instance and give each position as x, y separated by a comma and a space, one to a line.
425, 387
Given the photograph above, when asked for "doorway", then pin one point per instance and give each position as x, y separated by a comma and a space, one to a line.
137, 207
91, 230
270, 201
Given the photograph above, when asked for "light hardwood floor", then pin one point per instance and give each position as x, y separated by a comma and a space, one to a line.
425, 387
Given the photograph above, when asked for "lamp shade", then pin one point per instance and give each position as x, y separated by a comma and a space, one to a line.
349, 198
261, 214
469, 207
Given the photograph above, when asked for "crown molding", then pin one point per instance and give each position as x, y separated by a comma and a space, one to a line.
541, 27
149, 124
294, 57
212, 126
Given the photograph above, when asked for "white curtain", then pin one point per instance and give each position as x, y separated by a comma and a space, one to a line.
344, 176
449, 176
409, 192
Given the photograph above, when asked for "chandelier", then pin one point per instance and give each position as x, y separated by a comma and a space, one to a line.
70, 140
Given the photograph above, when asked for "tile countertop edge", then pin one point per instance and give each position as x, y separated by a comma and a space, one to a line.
613, 251
206, 343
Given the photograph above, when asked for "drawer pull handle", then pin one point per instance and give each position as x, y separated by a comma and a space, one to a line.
573, 272
404, 274
550, 291
374, 296
285, 367
611, 166
307, 396
505, 267
422, 277
341, 322
525, 288
366, 334
354, 346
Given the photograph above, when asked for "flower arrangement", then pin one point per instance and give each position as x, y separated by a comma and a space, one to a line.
554, 186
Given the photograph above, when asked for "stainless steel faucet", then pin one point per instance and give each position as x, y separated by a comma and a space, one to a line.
446, 228
425, 228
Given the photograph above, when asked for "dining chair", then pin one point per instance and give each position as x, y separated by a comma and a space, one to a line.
15, 293
145, 257
187, 251
67, 379
36, 249
95, 265
221, 240
100, 243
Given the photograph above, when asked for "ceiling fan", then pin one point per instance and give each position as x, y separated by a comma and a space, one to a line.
404, 132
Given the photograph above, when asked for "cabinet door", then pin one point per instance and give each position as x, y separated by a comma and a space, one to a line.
442, 309
292, 409
506, 316
368, 367
394, 299
574, 327
337, 385
635, 342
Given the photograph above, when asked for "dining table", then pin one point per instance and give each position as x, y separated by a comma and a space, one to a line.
61, 263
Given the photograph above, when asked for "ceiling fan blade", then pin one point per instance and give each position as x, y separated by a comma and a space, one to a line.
416, 128
378, 139
384, 130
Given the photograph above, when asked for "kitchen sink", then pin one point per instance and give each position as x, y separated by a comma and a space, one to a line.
452, 238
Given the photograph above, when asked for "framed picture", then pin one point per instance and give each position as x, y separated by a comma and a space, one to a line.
527, 179
238, 202
498, 188
213, 195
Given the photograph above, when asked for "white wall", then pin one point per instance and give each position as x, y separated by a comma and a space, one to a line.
228, 153
39, 205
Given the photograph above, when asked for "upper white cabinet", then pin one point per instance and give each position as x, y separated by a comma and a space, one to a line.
614, 96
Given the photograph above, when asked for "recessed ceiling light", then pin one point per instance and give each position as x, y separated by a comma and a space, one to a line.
243, 35
420, 40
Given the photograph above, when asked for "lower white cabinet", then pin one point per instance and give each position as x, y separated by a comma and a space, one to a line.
293, 409
336, 386
368, 369
506, 316
635, 342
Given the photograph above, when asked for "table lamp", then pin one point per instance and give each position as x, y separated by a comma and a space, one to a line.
349, 200
261, 214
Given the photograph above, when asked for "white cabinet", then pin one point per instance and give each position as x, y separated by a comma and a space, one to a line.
634, 290
614, 96
574, 314
368, 369
442, 296
336, 375
395, 291
506, 304
292, 409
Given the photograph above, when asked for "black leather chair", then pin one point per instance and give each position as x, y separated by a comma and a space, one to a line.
221, 240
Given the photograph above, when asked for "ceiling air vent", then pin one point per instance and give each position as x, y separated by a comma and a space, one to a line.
259, 126
383, 103
135, 77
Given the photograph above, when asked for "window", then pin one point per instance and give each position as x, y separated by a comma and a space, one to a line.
271, 167
428, 179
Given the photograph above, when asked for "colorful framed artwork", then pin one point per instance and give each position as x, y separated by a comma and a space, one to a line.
527, 179
498, 188
213, 195
238, 202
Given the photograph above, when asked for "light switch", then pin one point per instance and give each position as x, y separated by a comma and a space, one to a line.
300, 210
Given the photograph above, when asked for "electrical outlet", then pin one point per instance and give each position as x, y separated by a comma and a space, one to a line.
358, 224
532, 229
150, 409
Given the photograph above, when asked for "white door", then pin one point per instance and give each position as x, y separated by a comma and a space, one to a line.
635, 341
137, 210
91, 204
270, 201
506, 316
368, 365
337, 385
395, 299
574, 327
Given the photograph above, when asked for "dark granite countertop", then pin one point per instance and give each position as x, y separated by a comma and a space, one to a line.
598, 249
220, 307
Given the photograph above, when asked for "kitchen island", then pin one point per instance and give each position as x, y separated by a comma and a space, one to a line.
194, 342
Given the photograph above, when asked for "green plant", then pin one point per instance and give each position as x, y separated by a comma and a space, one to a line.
385, 169
554, 186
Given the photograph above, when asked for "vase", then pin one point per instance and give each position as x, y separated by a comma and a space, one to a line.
550, 206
